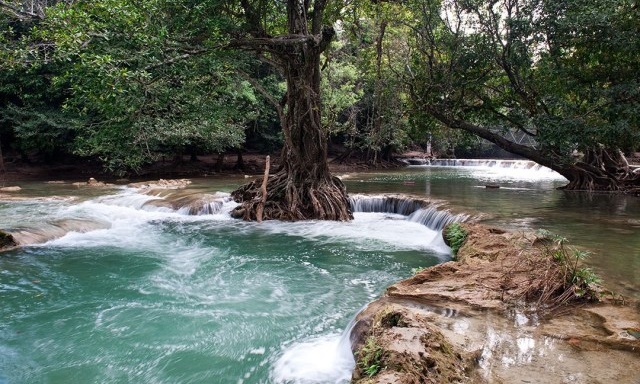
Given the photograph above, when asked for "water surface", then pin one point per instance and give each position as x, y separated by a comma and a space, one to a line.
161, 297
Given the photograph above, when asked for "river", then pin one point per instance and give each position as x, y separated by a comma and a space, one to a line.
156, 296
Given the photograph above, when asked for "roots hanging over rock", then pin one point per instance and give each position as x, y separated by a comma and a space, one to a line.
291, 199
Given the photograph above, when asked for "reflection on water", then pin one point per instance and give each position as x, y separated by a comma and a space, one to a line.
607, 225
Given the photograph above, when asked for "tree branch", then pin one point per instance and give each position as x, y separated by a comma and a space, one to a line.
518, 149
20, 13
318, 12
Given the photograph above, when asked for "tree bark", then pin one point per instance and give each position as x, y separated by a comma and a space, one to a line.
220, 162
263, 191
303, 187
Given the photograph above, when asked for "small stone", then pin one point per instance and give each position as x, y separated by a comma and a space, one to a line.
10, 189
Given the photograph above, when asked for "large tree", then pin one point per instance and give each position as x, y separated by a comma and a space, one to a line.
561, 75
303, 187
145, 74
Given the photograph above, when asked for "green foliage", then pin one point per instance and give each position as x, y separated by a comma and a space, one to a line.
131, 81
370, 357
128, 81
563, 75
582, 280
415, 271
455, 236
340, 94
369, 104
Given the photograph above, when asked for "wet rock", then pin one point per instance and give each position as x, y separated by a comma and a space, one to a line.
487, 318
55, 229
185, 201
92, 182
6, 240
162, 183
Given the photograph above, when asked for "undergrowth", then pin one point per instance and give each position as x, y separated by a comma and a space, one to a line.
578, 281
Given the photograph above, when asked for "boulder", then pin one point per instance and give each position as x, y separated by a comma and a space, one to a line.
6, 240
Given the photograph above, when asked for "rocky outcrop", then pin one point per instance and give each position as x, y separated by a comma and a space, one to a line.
187, 202
6, 240
162, 184
502, 312
52, 230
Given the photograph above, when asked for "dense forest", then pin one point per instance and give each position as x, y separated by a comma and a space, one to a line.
126, 83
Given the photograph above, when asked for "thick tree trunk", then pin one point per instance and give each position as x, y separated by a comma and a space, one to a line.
302, 188
240, 161
220, 162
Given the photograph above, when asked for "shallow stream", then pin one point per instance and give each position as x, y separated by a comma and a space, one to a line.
158, 296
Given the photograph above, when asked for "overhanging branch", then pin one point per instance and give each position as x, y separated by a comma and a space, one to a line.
510, 146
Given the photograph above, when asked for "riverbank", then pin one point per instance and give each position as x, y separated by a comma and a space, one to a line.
202, 166
502, 313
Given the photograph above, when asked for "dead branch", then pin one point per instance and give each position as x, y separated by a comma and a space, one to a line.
263, 191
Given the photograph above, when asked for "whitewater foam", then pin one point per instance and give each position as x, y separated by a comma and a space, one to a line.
324, 359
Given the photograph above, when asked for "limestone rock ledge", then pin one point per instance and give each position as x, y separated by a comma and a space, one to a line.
487, 317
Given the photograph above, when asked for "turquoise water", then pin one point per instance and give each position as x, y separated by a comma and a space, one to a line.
161, 297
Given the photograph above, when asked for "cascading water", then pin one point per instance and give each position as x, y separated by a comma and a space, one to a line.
159, 296
487, 163
416, 210
156, 295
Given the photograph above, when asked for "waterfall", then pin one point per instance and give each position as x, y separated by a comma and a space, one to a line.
415, 210
386, 204
436, 219
324, 359
102, 212
488, 163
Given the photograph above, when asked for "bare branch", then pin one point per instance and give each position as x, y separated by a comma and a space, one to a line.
20, 13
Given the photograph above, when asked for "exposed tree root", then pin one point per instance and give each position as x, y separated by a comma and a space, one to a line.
604, 170
289, 199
